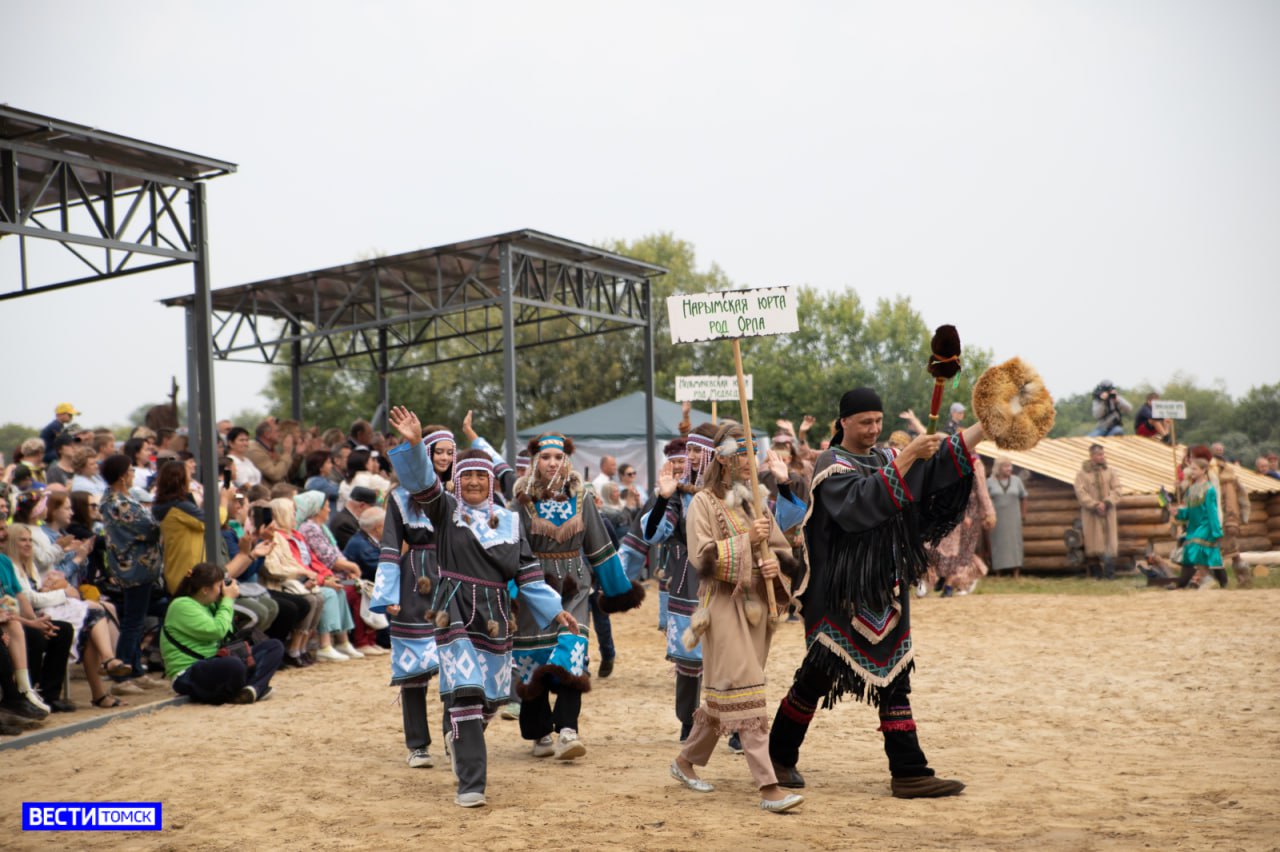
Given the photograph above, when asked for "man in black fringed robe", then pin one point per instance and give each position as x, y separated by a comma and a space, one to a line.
871, 513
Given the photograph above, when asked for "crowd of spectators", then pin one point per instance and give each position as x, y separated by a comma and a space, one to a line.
103, 561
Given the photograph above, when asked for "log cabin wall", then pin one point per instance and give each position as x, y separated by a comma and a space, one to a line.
1052, 541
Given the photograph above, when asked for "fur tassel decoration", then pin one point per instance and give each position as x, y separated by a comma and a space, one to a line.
493, 629
944, 363
423, 586
442, 619
698, 625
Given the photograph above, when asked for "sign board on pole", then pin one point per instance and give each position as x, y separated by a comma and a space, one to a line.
732, 314
706, 388
1168, 409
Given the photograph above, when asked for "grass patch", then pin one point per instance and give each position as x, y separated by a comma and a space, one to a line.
1125, 584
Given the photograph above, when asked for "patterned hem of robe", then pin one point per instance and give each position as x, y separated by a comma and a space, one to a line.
857, 667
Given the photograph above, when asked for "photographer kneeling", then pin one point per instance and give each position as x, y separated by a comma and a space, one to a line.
198, 619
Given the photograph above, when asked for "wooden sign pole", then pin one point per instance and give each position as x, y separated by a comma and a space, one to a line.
751, 457
1173, 441
715, 420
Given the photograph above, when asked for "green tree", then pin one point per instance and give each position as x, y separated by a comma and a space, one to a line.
12, 435
1257, 415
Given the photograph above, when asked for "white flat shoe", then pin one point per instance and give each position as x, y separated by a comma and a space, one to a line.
331, 655
469, 800
784, 804
350, 651
697, 785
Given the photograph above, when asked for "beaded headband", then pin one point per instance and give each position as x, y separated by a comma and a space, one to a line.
551, 442
472, 464
436, 437
702, 441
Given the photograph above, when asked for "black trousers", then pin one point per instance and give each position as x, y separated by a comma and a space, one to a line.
811, 685
293, 608
218, 679
47, 658
466, 721
413, 709
688, 697
537, 718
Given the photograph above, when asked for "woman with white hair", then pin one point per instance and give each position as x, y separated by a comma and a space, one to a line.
1009, 497
292, 562
312, 509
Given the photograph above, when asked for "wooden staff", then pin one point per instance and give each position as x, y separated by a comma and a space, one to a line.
935, 405
714, 419
751, 460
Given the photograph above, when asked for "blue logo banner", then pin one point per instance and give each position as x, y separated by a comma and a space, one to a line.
91, 816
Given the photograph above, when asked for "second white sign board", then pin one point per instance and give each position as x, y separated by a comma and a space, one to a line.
706, 388
1168, 409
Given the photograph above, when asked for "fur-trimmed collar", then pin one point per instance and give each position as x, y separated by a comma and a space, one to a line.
529, 491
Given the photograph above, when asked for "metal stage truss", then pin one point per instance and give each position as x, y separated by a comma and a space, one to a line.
437, 305
117, 206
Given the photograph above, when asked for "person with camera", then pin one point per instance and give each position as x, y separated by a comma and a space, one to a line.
1109, 409
197, 622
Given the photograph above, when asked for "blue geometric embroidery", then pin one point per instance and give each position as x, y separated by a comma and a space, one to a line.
558, 512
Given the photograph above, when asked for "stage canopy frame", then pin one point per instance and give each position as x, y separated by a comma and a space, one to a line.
115, 204
437, 305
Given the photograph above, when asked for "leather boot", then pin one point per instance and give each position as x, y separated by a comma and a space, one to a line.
925, 787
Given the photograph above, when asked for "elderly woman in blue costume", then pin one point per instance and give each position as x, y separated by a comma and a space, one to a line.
573, 547
406, 577
664, 522
479, 549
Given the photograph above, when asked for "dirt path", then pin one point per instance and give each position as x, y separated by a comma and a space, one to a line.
1149, 720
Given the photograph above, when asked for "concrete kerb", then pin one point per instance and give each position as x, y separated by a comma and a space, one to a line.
42, 736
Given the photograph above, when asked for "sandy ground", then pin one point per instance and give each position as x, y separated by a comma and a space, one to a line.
1143, 721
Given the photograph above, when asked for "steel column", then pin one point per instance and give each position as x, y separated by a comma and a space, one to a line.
384, 383
651, 452
193, 383
506, 287
295, 372
202, 308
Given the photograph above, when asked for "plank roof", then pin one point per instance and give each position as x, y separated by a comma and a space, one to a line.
1145, 465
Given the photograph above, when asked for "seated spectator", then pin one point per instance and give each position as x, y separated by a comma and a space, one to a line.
17, 714
1148, 427
44, 649
246, 472
62, 415
87, 478
272, 454
287, 490
194, 484
628, 491
312, 515
198, 619
1273, 460
291, 559
62, 468
613, 510
346, 521
21, 478
1108, 408
73, 553
361, 435
32, 455
362, 472
86, 620
138, 451
362, 548
1263, 466
255, 605
319, 470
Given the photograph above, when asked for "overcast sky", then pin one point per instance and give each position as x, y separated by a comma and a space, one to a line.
1094, 186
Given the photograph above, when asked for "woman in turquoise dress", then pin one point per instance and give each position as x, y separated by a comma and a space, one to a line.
1204, 528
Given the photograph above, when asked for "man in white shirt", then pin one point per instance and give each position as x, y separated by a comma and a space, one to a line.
608, 470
